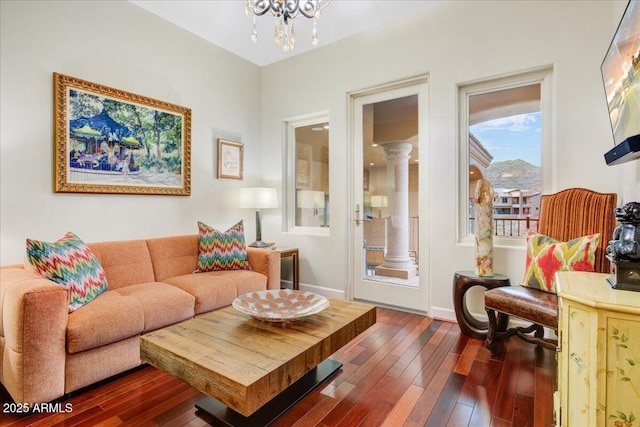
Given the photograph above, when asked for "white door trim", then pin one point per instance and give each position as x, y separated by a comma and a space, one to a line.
416, 299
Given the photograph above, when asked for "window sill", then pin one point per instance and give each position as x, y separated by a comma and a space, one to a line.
309, 231
498, 242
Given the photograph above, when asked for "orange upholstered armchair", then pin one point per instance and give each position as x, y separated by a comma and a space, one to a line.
564, 216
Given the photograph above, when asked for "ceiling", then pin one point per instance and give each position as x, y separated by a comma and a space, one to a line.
225, 24
390, 121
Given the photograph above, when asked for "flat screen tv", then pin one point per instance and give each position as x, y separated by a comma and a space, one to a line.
621, 77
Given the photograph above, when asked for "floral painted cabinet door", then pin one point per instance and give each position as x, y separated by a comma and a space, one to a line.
577, 364
599, 359
621, 402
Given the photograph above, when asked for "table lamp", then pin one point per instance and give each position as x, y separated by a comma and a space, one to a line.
379, 201
258, 198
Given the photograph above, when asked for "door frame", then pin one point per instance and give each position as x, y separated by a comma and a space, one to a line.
420, 297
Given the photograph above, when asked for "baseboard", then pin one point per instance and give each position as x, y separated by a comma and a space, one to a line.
321, 290
392, 307
441, 313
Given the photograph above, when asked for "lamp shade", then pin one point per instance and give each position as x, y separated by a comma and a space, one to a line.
308, 199
258, 198
379, 201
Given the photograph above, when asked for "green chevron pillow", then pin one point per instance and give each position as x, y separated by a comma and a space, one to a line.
222, 250
69, 262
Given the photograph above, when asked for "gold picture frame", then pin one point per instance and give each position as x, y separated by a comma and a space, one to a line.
230, 159
116, 142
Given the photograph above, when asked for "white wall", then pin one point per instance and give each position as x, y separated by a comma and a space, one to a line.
456, 42
120, 45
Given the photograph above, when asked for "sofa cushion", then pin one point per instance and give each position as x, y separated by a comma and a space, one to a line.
125, 263
546, 256
249, 281
222, 250
109, 318
161, 303
211, 290
71, 263
173, 256
218, 289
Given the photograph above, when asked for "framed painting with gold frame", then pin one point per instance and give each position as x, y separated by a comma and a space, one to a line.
111, 141
230, 159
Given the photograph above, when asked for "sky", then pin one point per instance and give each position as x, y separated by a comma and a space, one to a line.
511, 138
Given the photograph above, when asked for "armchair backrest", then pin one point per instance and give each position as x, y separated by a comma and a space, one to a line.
577, 212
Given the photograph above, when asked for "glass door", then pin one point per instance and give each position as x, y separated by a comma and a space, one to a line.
388, 193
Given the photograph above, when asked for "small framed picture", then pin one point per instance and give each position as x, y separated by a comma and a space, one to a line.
230, 159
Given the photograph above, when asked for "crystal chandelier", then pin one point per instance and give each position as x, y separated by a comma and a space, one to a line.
284, 12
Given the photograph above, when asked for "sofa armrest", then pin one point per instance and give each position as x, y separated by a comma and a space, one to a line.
33, 314
267, 262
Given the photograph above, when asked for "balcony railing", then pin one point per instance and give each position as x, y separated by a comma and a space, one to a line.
508, 226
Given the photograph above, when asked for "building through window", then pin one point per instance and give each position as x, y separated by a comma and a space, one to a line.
505, 135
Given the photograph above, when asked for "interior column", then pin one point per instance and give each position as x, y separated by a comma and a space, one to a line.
397, 262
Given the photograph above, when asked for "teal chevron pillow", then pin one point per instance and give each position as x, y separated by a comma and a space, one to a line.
69, 262
222, 251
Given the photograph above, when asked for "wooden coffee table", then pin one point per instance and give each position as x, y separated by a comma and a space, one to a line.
254, 371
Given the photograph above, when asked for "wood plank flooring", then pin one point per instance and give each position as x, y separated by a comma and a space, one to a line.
406, 370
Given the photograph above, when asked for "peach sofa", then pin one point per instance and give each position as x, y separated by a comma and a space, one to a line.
47, 352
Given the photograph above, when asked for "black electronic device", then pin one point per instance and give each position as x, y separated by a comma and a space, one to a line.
629, 149
621, 77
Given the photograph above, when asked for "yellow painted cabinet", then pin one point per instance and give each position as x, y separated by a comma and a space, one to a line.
599, 358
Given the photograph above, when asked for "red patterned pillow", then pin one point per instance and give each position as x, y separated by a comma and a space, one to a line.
546, 256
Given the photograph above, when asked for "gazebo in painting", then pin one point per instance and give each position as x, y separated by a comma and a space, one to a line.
102, 145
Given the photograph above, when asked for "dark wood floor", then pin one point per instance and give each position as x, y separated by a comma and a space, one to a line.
407, 370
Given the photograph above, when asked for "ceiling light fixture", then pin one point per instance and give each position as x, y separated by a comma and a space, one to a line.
284, 12
320, 128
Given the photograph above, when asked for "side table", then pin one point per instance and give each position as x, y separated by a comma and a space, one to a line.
462, 282
293, 254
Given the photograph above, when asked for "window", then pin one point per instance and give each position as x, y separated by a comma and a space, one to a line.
308, 175
504, 138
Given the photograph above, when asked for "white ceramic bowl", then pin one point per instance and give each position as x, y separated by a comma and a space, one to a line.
280, 305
